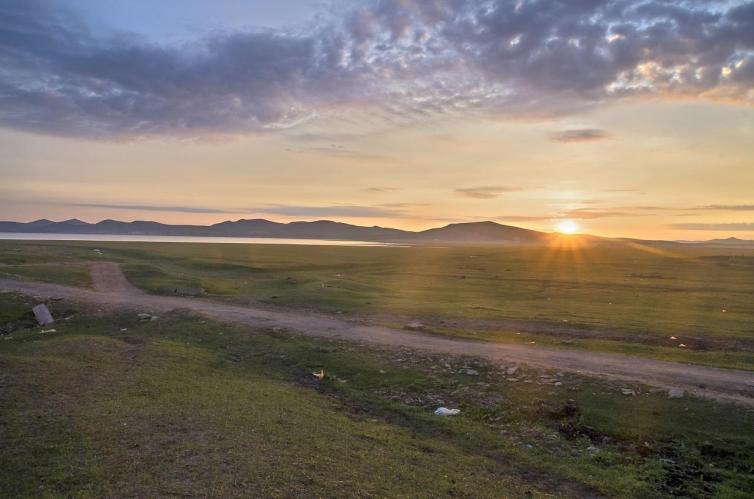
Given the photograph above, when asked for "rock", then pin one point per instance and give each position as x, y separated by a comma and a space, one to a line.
48, 331
676, 393
42, 314
444, 411
470, 372
511, 370
628, 392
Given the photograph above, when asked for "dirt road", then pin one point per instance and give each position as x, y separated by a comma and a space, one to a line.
112, 290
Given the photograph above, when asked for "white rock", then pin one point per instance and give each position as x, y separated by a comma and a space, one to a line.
444, 411
42, 314
676, 393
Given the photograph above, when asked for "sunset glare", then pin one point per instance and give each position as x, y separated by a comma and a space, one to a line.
567, 227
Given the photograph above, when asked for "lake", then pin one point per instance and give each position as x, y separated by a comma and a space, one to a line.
183, 239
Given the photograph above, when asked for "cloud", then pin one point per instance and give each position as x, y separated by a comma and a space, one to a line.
484, 191
380, 189
148, 207
330, 211
715, 226
396, 60
580, 135
729, 207
522, 218
590, 214
350, 154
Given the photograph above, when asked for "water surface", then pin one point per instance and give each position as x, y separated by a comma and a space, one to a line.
181, 239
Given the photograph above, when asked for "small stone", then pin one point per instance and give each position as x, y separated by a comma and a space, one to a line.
42, 314
676, 393
470, 372
511, 370
628, 392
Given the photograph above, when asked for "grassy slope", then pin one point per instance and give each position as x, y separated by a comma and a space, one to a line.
180, 405
599, 299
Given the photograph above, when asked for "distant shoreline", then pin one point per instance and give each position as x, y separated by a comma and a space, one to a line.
42, 236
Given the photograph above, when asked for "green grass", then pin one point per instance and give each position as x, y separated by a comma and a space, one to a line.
609, 299
186, 406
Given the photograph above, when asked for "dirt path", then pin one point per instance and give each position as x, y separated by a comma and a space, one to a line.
108, 278
113, 290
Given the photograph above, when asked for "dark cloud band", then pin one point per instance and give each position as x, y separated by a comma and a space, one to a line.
410, 59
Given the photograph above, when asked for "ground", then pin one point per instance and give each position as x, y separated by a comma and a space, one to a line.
112, 404
682, 304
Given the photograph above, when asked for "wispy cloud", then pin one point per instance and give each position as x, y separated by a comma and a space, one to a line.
484, 191
580, 135
591, 213
522, 218
351, 154
727, 207
330, 211
398, 59
152, 207
380, 189
736, 226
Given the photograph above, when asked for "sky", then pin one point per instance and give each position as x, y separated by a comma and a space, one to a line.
630, 118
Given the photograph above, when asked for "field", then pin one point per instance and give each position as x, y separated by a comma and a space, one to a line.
685, 304
111, 405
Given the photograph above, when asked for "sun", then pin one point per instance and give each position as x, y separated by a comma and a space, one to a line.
567, 227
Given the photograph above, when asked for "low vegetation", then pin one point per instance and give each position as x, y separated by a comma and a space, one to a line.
690, 304
111, 404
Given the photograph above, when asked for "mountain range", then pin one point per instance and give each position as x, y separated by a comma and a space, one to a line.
481, 232
458, 233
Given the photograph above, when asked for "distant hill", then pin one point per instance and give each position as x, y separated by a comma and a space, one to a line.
482, 232
458, 233
730, 242
475, 232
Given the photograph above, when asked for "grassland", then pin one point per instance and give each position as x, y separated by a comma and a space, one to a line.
642, 301
110, 405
